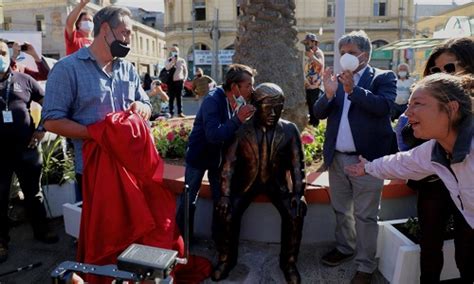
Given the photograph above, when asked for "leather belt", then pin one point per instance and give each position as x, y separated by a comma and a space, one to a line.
349, 153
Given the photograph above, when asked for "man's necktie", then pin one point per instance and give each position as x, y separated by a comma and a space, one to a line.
264, 157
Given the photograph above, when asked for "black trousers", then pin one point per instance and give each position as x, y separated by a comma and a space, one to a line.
26, 164
175, 91
435, 207
312, 95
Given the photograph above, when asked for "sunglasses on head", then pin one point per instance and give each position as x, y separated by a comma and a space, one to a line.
448, 68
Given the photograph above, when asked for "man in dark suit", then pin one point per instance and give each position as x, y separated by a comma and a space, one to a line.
266, 157
357, 107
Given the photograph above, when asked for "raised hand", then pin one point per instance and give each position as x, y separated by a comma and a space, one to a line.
347, 80
330, 83
245, 112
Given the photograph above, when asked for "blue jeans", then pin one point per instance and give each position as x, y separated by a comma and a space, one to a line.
193, 179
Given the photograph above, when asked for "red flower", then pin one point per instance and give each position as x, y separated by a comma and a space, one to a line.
307, 138
170, 136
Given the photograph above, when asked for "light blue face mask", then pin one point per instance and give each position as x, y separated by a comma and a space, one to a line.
239, 101
4, 64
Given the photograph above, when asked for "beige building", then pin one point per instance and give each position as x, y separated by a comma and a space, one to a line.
428, 26
384, 21
49, 17
456, 22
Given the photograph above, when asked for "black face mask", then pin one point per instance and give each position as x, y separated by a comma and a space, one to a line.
118, 48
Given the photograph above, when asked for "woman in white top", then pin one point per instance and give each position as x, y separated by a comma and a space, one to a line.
439, 110
404, 83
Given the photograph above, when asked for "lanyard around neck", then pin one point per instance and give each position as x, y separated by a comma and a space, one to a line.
7, 91
230, 113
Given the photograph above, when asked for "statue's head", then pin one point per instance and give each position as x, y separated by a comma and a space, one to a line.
268, 99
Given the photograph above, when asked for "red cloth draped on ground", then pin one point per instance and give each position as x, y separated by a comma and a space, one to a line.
123, 198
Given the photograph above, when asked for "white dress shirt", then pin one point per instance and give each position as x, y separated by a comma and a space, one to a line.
344, 140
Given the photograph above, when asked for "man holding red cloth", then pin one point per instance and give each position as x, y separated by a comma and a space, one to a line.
86, 96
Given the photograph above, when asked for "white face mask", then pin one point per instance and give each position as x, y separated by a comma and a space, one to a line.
86, 26
402, 74
349, 62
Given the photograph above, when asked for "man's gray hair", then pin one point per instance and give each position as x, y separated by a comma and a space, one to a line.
359, 38
113, 15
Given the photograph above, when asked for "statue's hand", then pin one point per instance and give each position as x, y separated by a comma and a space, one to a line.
223, 207
298, 207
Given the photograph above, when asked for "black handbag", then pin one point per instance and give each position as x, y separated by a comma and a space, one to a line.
166, 76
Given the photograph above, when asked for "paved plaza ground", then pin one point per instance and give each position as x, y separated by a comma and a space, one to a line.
258, 262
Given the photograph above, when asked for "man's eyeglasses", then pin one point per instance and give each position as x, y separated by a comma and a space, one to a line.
448, 68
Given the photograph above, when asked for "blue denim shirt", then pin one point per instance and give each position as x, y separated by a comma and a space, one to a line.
79, 90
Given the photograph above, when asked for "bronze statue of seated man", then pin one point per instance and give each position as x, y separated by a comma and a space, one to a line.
265, 157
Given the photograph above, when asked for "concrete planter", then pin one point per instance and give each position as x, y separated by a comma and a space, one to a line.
72, 218
57, 195
399, 257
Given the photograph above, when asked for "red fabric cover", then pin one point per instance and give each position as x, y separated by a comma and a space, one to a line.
123, 198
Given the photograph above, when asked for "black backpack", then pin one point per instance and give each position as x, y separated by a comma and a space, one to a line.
166, 76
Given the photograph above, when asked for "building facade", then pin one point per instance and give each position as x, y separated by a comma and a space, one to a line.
428, 26
49, 17
154, 19
383, 20
455, 22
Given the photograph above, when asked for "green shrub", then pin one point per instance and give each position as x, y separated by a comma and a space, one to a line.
58, 164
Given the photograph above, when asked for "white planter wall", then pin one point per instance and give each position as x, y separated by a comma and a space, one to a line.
72, 218
399, 257
57, 195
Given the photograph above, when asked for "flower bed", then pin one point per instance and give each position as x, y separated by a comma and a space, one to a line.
171, 138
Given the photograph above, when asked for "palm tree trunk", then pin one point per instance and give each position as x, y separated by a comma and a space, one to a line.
266, 40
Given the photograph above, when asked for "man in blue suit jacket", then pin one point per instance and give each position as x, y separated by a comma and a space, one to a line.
357, 107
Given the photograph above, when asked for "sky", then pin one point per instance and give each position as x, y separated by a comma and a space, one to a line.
157, 5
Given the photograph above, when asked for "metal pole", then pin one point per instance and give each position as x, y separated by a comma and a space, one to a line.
193, 15
413, 61
415, 20
400, 14
400, 17
187, 232
339, 31
215, 39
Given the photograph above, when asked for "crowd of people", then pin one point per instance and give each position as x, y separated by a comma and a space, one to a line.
239, 139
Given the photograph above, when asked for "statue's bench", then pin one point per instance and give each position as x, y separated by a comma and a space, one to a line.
261, 221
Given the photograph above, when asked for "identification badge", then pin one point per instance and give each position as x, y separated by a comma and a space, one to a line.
7, 116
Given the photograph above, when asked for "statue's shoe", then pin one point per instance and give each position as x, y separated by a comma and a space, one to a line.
292, 275
221, 271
